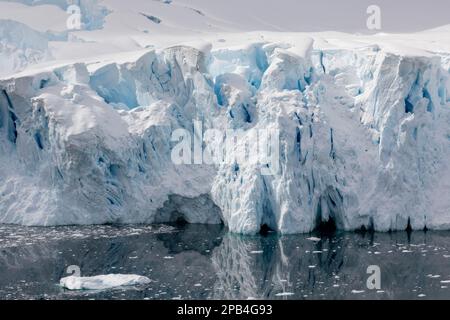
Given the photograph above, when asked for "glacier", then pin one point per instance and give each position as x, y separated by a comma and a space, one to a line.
364, 137
87, 118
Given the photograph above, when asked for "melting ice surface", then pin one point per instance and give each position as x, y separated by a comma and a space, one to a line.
206, 262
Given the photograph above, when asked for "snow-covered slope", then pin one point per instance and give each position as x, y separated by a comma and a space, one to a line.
20, 46
86, 135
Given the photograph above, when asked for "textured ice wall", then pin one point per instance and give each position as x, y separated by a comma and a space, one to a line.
364, 139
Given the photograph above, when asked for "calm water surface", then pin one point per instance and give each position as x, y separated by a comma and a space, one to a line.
206, 262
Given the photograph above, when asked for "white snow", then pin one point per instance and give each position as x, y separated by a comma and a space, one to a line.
20, 46
86, 119
102, 282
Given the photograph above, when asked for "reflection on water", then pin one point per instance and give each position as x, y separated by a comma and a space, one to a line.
206, 262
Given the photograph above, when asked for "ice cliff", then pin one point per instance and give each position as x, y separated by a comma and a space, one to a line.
364, 138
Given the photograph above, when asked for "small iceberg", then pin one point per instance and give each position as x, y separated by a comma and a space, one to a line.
284, 294
102, 282
357, 291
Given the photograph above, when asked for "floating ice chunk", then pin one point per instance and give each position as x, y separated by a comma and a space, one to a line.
314, 239
357, 291
284, 294
102, 282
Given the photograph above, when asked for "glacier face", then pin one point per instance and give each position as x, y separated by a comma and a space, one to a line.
364, 139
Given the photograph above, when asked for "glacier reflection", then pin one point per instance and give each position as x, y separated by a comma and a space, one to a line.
207, 262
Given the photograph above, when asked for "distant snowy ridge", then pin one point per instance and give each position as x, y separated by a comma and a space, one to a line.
364, 137
20, 46
92, 12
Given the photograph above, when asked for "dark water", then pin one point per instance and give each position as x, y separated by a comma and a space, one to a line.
206, 262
